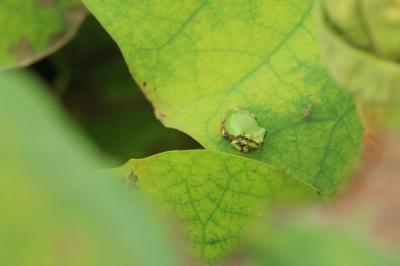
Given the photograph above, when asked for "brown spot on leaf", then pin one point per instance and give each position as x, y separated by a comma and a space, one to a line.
73, 15
46, 3
133, 179
22, 50
307, 110
161, 117
56, 38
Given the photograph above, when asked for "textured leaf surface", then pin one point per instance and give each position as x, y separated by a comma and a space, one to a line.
34, 28
54, 209
197, 59
215, 194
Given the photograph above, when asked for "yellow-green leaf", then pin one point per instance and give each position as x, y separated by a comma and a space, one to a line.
215, 194
197, 59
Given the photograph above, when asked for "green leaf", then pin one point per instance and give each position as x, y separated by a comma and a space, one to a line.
55, 208
215, 194
33, 29
197, 59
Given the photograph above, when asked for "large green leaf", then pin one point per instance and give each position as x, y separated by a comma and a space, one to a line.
197, 59
55, 209
33, 29
215, 194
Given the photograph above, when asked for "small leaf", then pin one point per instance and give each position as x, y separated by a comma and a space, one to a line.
215, 194
33, 29
199, 59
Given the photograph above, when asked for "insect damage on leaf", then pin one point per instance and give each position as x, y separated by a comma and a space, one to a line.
242, 130
23, 49
133, 179
307, 110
